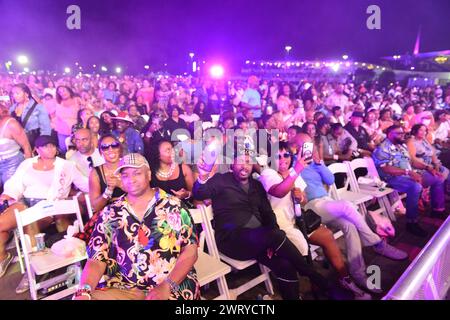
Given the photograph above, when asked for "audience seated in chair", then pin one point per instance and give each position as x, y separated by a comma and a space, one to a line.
344, 216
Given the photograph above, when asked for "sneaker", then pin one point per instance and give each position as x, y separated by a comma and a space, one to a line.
362, 282
438, 215
24, 285
5, 264
416, 230
385, 249
348, 284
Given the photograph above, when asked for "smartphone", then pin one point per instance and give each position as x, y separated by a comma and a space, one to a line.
307, 150
4, 98
211, 152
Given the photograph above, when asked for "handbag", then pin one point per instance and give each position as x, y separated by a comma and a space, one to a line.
308, 222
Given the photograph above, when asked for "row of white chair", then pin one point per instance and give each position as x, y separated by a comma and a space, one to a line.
359, 194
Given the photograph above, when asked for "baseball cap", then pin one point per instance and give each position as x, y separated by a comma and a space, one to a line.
42, 141
358, 114
132, 160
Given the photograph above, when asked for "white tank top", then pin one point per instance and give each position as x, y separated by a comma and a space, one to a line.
8, 147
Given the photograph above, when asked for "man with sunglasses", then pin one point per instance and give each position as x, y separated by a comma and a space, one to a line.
87, 156
393, 163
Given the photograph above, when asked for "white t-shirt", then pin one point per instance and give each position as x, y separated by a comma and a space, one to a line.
284, 208
336, 99
37, 183
253, 99
190, 118
82, 163
442, 131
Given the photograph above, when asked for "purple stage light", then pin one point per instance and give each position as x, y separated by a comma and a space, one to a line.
216, 71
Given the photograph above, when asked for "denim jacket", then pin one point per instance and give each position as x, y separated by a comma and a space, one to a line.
133, 142
39, 119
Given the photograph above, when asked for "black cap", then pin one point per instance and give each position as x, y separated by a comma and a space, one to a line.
42, 141
358, 114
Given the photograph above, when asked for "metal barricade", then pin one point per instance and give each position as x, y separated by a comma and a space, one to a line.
428, 276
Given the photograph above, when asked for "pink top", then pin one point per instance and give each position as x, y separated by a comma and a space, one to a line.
148, 94
66, 117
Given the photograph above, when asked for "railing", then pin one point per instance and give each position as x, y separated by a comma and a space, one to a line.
428, 276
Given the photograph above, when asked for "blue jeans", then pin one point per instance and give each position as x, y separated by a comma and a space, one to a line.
9, 166
62, 142
437, 190
405, 184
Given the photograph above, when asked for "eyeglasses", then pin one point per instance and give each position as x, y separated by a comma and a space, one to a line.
114, 145
284, 155
399, 133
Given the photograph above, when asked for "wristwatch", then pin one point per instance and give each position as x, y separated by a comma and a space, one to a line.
174, 287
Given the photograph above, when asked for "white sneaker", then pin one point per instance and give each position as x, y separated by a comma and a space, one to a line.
348, 284
4, 264
24, 285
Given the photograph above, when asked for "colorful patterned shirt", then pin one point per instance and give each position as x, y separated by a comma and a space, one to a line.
141, 254
390, 154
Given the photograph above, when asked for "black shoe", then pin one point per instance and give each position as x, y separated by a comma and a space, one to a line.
416, 230
438, 215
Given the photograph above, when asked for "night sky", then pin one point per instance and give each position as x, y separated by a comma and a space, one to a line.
133, 33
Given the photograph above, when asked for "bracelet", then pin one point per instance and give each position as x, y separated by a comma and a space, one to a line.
202, 181
174, 287
107, 194
85, 294
83, 290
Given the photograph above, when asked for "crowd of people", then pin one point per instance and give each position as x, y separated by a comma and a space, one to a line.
118, 139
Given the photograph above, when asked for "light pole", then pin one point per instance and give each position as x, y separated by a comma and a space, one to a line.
288, 49
193, 63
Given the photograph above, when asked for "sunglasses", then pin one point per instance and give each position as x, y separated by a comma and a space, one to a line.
114, 145
284, 155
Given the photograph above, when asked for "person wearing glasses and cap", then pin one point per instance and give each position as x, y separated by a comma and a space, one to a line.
127, 135
144, 244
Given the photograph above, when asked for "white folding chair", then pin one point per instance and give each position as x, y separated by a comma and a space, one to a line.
208, 266
380, 194
88, 205
40, 263
344, 193
394, 198
238, 264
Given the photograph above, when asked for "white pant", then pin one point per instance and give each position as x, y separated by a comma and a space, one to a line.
344, 215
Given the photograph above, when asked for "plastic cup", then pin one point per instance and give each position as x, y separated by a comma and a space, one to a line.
40, 241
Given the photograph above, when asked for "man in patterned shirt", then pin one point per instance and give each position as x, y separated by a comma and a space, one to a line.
394, 166
144, 244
